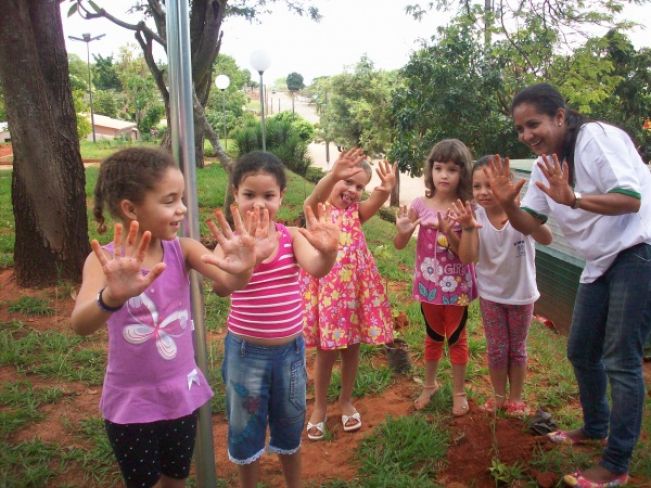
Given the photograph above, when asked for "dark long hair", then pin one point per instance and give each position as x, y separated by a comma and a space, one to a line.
258, 162
547, 101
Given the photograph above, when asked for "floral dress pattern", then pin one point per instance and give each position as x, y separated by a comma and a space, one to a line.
349, 305
440, 277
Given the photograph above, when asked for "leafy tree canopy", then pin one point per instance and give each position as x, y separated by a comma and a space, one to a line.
295, 82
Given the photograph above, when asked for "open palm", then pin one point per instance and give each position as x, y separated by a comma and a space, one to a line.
406, 221
123, 268
498, 172
321, 234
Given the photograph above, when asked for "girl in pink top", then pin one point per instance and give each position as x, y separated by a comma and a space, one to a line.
349, 305
264, 357
139, 290
442, 283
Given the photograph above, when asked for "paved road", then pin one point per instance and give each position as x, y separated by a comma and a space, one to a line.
410, 188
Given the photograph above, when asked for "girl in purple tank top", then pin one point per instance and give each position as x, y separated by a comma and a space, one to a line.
138, 288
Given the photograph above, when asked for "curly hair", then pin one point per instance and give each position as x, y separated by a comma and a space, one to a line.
450, 150
128, 174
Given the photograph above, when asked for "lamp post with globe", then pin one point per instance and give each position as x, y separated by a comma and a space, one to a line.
260, 61
222, 82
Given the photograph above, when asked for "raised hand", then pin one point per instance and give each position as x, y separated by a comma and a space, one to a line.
464, 214
406, 221
123, 269
444, 223
387, 173
237, 248
265, 242
321, 234
558, 177
348, 164
498, 172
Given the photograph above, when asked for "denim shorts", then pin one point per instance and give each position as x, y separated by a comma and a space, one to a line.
264, 385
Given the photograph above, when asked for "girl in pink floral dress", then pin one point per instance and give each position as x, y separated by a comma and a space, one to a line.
349, 305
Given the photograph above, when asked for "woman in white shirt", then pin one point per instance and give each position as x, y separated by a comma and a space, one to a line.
591, 180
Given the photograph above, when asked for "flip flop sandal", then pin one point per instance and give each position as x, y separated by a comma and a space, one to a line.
563, 437
517, 409
319, 427
462, 408
576, 479
352, 427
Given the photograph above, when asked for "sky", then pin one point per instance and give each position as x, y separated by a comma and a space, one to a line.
349, 29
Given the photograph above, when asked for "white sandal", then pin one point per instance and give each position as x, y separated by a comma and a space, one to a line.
347, 418
320, 428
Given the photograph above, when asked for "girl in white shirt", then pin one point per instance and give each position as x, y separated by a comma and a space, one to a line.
506, 281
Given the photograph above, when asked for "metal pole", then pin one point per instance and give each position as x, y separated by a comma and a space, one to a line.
224, 126
90, 89
264, 129
182, 132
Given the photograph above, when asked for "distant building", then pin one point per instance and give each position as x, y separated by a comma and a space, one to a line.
5, 136
109, 128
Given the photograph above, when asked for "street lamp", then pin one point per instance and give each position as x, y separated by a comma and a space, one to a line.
260, 62
88, 39
222, 82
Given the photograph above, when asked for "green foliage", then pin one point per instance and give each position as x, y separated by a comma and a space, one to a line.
448, 90
3, 108
504, 474
27, 464
462, 83
51, 354
287, 136
20, 403
105, 102
225, 108
355, 107
105, 73
295, 82
142, 101
31, 306
402, 452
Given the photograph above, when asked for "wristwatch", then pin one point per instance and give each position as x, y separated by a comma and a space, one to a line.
577, 199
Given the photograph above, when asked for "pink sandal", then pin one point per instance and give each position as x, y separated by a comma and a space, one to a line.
517, 409
564, 437
579, 481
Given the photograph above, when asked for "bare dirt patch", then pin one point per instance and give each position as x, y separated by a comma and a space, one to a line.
475, 439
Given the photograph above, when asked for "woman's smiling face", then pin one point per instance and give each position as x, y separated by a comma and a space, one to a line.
542, 133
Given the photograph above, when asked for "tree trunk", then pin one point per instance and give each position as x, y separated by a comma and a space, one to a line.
48, 181
394, 201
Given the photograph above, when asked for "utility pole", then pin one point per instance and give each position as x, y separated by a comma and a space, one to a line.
88, 39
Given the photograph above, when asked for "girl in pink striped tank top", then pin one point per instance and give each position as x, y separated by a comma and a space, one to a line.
264, 355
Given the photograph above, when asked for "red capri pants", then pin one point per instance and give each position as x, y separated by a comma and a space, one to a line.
445, 322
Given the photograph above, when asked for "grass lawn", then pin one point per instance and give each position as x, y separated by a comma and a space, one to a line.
47, 372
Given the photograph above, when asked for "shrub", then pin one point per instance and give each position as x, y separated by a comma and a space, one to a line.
287, 136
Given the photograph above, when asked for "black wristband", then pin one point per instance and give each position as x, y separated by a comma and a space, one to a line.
107, 308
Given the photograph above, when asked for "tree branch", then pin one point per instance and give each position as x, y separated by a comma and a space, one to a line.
140, 26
